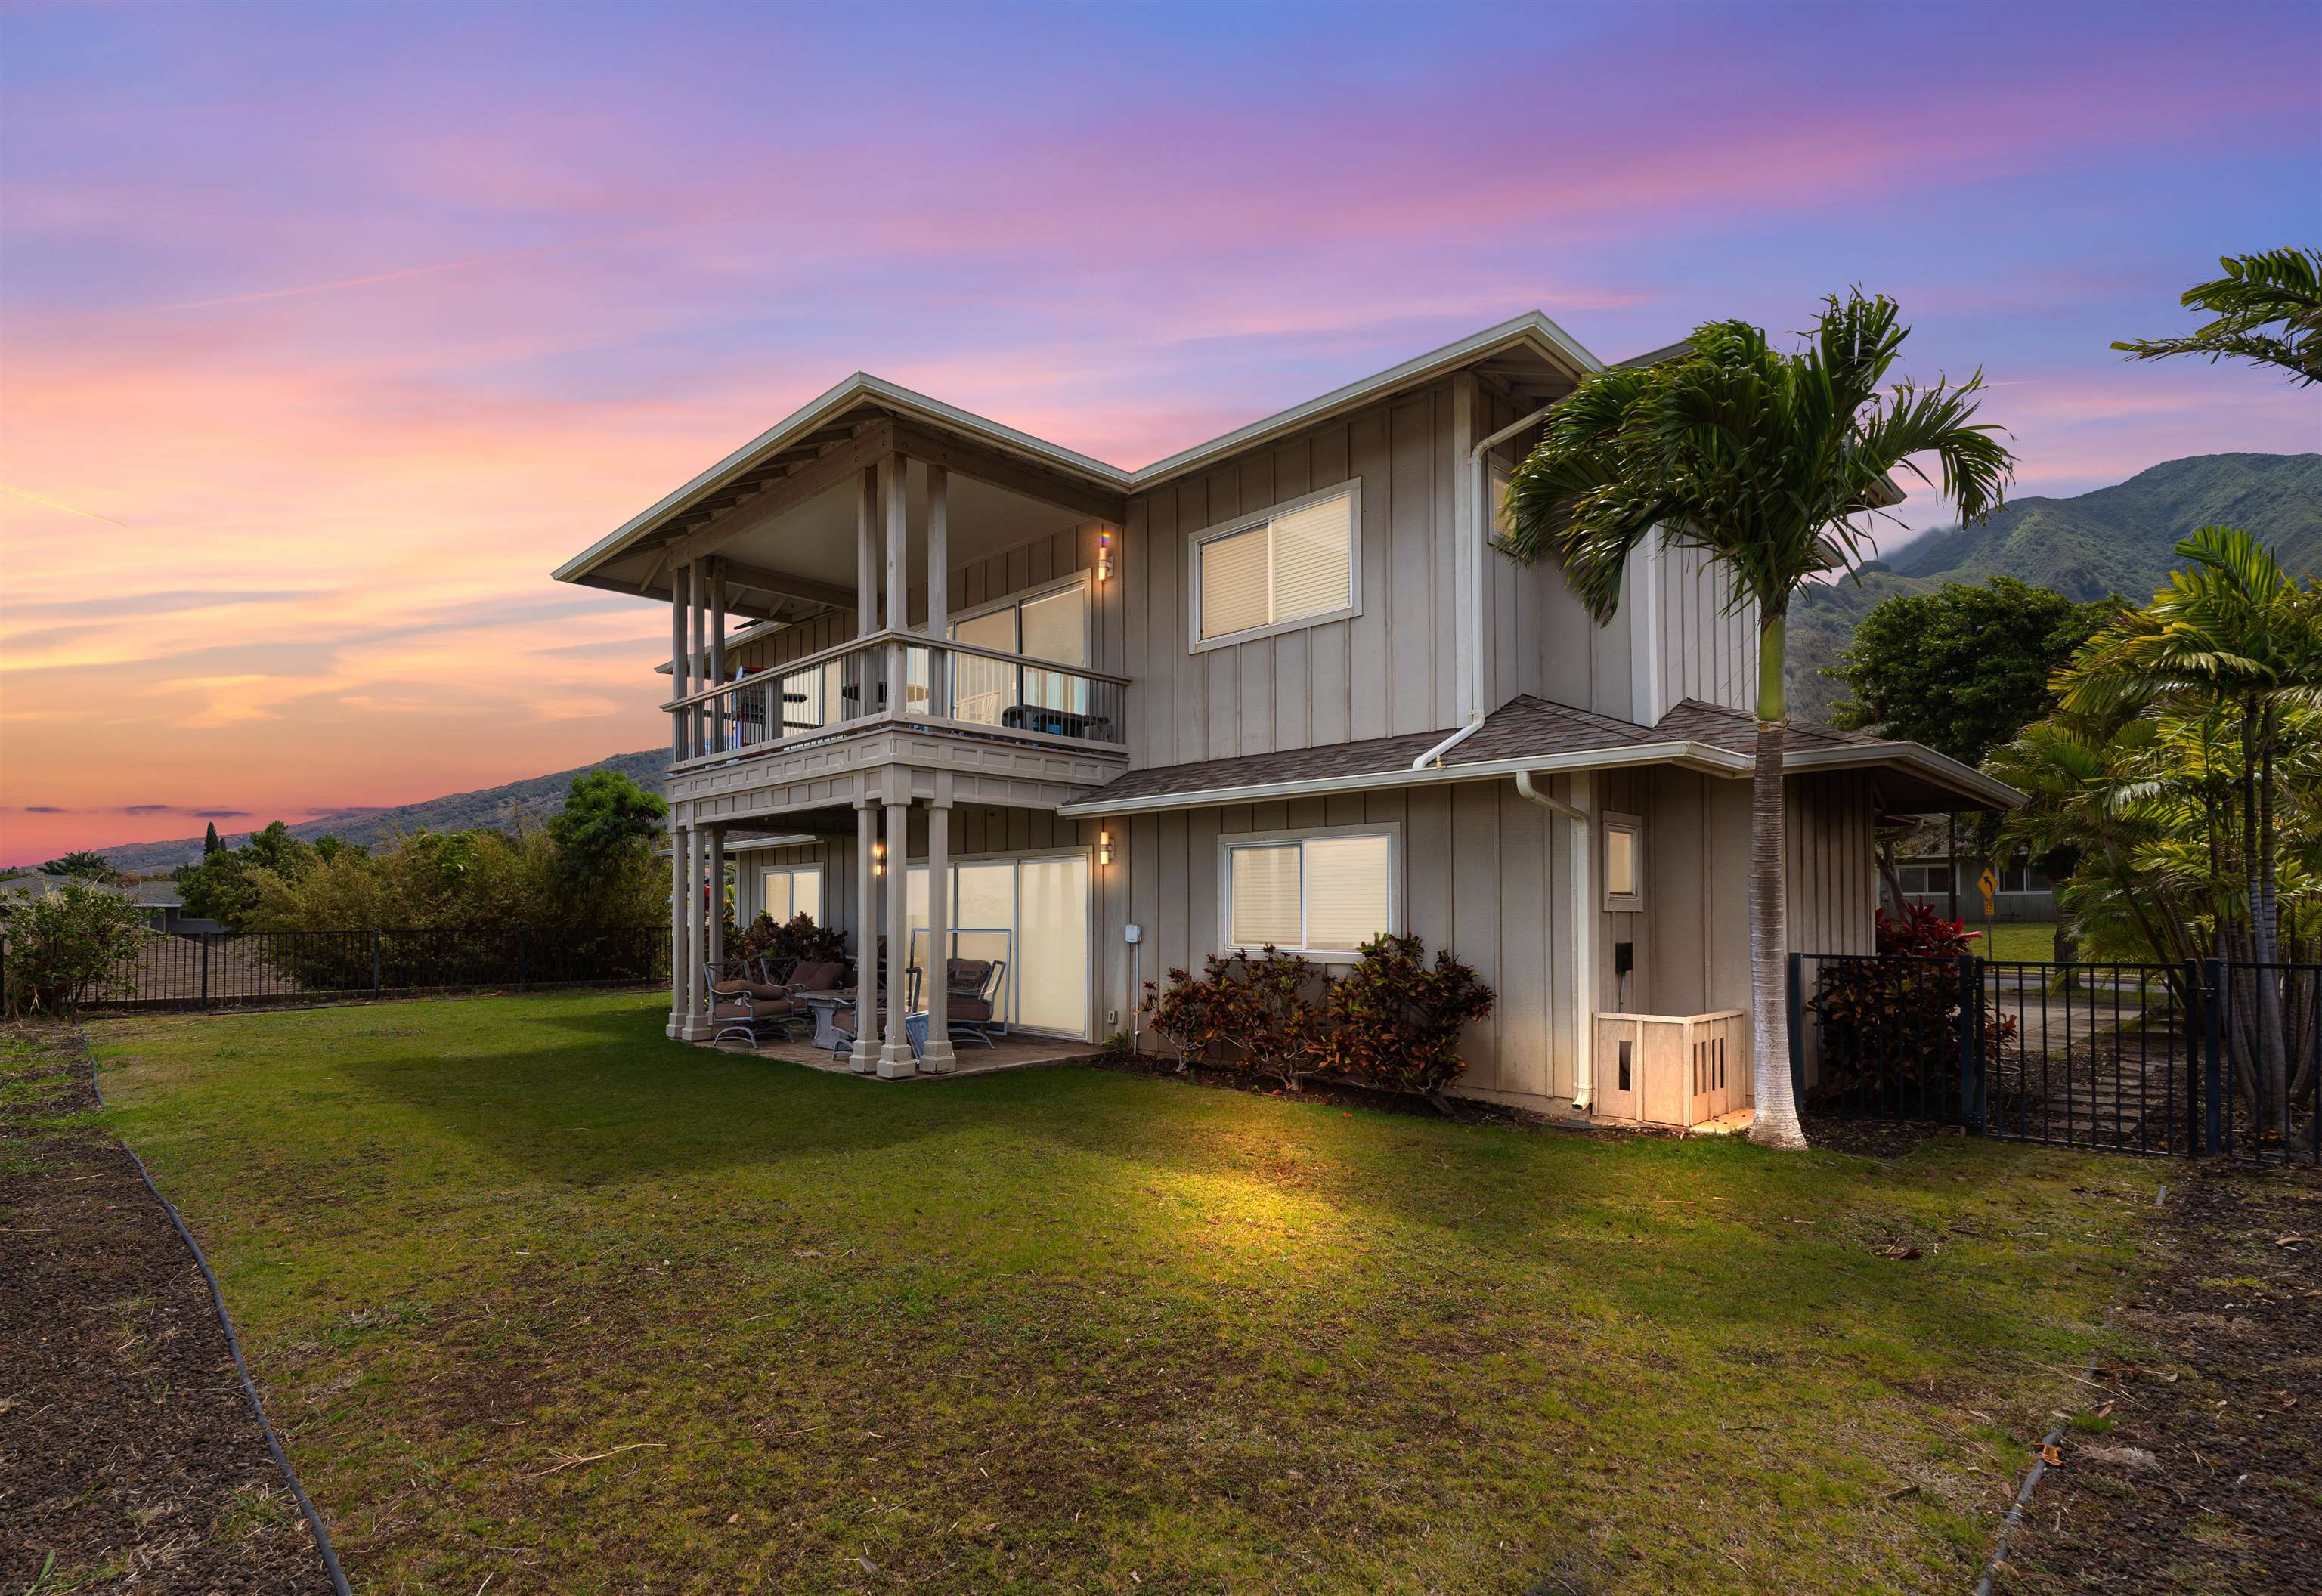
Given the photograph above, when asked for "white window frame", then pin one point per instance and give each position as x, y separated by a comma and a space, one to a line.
1391, 830
821, 885
1634, 826
1351, 489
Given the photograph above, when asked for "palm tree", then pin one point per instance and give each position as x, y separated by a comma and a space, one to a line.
2281, 287
2233, 629
1771, 464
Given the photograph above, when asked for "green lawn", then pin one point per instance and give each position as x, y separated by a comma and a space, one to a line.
1075, 1330
2031, 940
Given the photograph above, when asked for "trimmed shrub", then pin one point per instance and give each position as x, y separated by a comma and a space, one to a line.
1395, 1019
1393, 1022
60, 945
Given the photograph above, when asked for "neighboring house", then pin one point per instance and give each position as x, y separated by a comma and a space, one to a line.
164, 907
1281, 687
2024, 895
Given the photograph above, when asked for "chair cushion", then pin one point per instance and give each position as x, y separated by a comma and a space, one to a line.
962, 1005
820, 976
755, 989
966, 975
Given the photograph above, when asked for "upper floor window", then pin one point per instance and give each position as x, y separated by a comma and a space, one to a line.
1294, 565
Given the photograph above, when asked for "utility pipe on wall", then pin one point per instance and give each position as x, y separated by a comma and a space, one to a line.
1584, 926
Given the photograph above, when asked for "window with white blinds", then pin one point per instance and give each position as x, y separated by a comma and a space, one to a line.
790, 890
1318, 893
1296, 565
1624, 863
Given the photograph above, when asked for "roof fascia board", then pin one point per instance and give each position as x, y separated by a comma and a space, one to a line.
1533, 327
1939, 768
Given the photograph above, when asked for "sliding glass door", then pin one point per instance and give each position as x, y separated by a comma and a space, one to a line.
1031, 912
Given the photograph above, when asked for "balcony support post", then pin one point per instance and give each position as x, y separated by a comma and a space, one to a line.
895, 1059
895, 473
939, 600
714, 910
676, 920
718, 656
679, 681
697, 1009
696, 730
864, 1058
866, 557
937, 1058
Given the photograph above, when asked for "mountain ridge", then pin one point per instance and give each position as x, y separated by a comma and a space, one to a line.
2120, 539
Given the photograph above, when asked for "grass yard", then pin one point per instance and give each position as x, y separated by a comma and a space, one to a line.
2032, 941
542, 1298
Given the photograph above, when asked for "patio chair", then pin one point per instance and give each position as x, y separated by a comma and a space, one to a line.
747, 1004
844, 1017
971, 999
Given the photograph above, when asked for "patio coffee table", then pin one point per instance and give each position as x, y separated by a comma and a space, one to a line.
825, 1006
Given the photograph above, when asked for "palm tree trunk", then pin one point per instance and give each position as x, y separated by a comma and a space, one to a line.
1776, 1122
2267, 1063
2265, 915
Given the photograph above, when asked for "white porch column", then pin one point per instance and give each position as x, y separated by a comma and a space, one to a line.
678, 674
939, 1058
718, 661
895, 1059
696, 742
895, 473
866, 552
865, 1055
938, 594
676, 927
714, 914
697, 1011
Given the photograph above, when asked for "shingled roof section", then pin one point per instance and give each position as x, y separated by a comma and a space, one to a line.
1736, 730
1524, 727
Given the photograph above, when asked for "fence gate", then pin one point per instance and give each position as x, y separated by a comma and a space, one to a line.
2213, 1058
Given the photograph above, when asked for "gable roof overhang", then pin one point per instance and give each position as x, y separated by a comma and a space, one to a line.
829, 436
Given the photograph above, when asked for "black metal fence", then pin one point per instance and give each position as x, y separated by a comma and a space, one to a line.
2201, 1059
226, 969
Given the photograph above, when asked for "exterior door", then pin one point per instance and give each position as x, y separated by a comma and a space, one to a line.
1031, 912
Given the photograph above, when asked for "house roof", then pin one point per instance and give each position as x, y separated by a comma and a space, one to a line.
807, 432
1535, 734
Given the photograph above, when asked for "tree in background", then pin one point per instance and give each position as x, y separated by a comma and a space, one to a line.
85, 864
2235, 637
222, 886
1770, 465
2268, 310
607, 821
1963, 670
211, 843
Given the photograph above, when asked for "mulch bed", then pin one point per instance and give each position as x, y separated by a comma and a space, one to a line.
130, 1458
2205, 1473
1329, 1093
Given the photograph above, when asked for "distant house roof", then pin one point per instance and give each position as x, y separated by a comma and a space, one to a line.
1530, 734
41, 884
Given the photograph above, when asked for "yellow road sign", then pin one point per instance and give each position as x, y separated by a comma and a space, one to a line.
1990, 884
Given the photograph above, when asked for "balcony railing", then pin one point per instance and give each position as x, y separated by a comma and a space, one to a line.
946, 685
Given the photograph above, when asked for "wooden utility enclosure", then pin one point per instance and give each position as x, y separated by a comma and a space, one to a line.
1669, 1069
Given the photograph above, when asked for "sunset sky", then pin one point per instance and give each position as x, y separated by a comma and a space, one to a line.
325, 331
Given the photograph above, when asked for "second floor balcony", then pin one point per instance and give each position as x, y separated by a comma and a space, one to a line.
950, 685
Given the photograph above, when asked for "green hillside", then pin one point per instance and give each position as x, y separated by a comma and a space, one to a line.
535, 798
2115, 540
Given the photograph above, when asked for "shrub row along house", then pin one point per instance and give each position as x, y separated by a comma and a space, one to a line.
1279, 689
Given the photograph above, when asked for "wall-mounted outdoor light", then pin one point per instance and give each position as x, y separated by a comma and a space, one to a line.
1104, 847
1104, 556
878, 859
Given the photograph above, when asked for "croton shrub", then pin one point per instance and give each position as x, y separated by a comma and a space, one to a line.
1889, 1025
1393, 1021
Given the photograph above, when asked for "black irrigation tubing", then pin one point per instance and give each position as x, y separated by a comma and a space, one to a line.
234, 1344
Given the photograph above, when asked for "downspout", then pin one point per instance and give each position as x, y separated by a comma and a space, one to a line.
1479, 536
1584, 927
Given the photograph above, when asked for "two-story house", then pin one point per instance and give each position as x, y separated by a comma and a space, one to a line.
1278, 688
